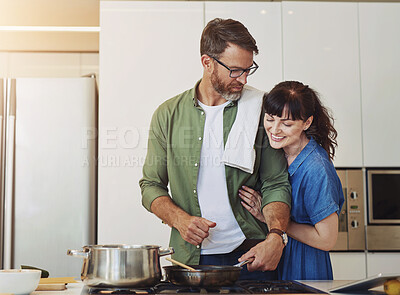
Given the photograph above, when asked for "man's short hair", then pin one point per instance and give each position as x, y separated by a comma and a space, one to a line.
219, 32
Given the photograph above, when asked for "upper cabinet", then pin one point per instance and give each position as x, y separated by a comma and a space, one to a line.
380, 82
263, 20
320, 49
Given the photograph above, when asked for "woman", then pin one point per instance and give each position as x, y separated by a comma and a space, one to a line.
296, 121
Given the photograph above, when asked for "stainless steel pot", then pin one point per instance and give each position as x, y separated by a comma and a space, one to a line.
203, 275
121, 265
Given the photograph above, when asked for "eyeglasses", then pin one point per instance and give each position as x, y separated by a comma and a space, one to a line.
236, 73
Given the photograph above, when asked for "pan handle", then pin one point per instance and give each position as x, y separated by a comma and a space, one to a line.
78, 253
163, 252
240, 264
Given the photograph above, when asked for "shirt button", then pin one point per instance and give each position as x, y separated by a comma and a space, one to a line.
200, 138
194, 191
202, 113
198, 246
195, 164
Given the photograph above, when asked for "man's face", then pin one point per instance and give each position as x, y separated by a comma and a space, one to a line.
233, 57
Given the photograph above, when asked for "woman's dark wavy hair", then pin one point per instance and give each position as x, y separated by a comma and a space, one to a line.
303, 102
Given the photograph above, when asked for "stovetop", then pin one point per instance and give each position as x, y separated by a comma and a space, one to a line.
241, 287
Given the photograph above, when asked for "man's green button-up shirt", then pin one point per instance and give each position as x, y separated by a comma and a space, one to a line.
173, 156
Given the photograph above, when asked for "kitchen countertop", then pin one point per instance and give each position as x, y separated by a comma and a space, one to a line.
76, 288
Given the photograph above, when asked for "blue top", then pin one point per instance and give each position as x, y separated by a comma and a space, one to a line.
316, 194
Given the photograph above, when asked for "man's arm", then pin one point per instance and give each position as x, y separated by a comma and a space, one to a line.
154, 186
276, 192
268, 253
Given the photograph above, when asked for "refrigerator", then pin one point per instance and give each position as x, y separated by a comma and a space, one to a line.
48, 172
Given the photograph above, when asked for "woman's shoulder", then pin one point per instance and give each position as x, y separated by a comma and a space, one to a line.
318, 165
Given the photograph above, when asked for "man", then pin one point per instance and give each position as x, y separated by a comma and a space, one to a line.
187, 145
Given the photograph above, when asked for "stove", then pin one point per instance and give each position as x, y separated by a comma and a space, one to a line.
241, 287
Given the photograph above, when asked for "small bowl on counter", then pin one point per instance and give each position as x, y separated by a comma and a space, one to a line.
19, 281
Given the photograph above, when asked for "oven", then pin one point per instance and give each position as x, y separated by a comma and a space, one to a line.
351, 235
383, 191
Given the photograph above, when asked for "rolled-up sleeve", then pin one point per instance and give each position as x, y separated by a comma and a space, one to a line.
275, 185
154, 182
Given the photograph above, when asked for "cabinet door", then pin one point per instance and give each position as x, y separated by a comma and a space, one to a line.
380, 76
320, 49
386, 263
263, 20
348, 266
149, 52
3, 64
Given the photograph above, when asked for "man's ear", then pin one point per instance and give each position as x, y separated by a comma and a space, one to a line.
207, 63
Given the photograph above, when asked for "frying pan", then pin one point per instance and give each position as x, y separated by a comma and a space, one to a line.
204, 275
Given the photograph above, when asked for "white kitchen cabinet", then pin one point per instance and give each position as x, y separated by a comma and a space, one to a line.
320, 48
149, 52
263, 20
89, 64
386, 263
42, 64
348, 265
380, 87
3, 64
48, 64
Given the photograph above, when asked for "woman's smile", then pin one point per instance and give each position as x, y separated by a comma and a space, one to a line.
276, 138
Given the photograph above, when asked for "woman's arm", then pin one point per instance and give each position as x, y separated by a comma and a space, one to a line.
322, 235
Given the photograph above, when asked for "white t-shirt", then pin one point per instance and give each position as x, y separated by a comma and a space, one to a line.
211, 187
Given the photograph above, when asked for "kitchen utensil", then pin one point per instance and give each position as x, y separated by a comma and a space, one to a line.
192, 269
180, 264
19, 281
51, 287
54, 284
121, 265
240, 264
203, 275
59, 280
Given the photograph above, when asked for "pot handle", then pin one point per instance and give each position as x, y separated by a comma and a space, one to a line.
78, 253
163, 252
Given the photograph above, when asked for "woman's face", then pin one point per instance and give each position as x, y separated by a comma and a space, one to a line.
283, 132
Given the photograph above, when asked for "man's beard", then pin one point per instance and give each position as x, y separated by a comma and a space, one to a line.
222, 89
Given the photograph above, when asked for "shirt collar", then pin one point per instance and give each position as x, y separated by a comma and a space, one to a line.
195, 100
308, 149
194, 94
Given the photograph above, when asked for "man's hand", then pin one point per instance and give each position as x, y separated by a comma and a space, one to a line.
266, 254
194, 229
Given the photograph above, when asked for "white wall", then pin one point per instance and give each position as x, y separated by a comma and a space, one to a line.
149, 53
263, 20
